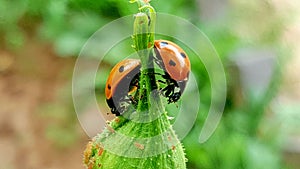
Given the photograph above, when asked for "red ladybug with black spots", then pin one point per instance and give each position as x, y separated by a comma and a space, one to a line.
176, 64
122, 81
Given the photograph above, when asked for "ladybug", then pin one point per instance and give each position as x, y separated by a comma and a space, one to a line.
122, 81
176, 64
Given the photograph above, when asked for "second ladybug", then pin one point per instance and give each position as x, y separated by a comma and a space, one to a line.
176, 64
122, 80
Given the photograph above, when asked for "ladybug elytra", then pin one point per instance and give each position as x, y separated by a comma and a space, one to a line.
122, 80
176, 64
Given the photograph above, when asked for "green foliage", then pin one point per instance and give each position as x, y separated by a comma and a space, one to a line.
11, 13
68, 23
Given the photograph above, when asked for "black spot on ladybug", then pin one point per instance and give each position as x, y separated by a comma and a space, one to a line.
121, 69
183, 55
172, 63
109, 87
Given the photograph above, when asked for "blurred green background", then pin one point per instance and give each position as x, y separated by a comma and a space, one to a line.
257, 42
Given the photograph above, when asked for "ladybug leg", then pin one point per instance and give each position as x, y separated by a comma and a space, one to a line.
170, 94
135, 81
171, 97
131, 99
175, 96
156, 73
113, 108
120, 107
166, 76
115, 111
162, 91
167, 92
162, 81
127, 100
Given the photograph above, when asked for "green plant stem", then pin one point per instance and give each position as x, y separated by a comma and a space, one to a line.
143, 37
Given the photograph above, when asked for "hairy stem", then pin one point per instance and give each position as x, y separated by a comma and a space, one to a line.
143, 37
